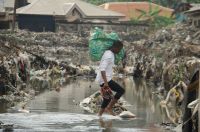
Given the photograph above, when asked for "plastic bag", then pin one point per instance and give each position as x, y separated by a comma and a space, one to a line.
100, 42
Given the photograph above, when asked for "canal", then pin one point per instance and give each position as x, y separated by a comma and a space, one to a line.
60, 111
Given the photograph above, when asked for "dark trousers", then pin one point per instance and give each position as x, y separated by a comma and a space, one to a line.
2, 89
114, 87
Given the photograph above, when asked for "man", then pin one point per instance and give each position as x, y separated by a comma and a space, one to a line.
104, 78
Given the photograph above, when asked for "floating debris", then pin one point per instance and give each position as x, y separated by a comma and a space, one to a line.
6, 127
92, 104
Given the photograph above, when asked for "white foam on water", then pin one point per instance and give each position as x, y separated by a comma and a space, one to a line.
44, 121
60, 122
110, 117
130, 130
87, 128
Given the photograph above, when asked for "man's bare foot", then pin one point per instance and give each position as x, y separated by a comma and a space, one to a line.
101, 112
110, 111
57, 89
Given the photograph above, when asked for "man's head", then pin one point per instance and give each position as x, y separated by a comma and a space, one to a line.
117, 46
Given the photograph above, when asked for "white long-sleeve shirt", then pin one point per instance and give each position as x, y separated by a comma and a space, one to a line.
106, 64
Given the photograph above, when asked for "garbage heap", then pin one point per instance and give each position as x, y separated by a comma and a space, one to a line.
31, 62
169, 55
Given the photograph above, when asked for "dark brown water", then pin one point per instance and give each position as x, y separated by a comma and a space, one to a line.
60, 111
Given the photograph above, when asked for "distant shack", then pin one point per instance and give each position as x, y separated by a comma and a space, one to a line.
7, 6
194, 16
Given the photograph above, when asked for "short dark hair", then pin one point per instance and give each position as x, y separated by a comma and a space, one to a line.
117, 43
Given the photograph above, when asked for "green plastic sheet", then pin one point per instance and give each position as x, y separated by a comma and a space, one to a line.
100, 41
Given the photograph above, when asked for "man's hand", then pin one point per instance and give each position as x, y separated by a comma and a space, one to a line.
106, 92
105, 85
103, 74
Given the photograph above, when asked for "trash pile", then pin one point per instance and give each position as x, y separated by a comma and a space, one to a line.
28, 59
6, 127
93, 102
53, 46
166, 57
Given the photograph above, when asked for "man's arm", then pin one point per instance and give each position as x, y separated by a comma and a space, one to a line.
103, 74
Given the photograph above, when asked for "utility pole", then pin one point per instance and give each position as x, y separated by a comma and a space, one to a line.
14, 16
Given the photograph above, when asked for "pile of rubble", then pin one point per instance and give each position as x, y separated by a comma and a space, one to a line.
168, 56
40, 65
55, 46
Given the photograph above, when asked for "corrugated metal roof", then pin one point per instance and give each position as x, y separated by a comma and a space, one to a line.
193, 9
61, 7
30, 1
130, 9
46, 7
195, 5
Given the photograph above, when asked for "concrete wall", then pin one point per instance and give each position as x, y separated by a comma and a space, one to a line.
87, 27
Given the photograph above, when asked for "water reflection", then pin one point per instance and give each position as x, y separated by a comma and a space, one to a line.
106, 125
46, 83
67, 99
147, 105
58, 109
174, 114
143, 103
3, 107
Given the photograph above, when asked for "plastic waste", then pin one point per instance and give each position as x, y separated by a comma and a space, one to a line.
100, 41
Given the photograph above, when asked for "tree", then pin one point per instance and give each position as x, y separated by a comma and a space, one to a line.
14, 15
99, 2
166, 3
153, 18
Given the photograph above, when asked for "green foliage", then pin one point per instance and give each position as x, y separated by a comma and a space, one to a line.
148, 14
99, 2
135, 21
160, 21
95, 2
153, 18
193, 1
166, 3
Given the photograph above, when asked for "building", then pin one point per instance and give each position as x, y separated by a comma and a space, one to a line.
132, 10
7, 6
4, 16
194, 16
43, 15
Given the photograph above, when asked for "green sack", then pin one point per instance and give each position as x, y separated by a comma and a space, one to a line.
99, 42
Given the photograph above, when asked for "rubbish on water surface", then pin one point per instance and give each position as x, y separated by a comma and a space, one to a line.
93, 102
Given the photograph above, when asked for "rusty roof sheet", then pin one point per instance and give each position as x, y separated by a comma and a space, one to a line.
130, 9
